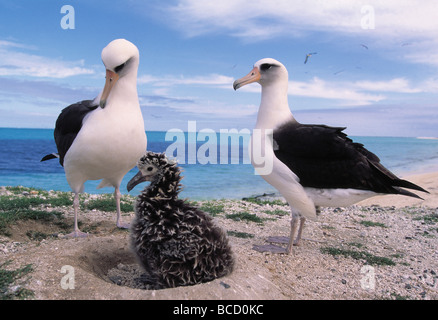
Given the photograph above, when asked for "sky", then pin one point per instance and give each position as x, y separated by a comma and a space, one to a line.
374, 67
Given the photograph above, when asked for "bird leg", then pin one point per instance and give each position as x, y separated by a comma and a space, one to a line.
285, 240
300, 231
76, 232
293, 229
117, 196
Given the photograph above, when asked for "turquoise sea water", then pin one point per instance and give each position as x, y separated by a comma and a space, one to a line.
22, 149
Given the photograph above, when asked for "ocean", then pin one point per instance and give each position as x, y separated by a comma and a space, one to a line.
217, 174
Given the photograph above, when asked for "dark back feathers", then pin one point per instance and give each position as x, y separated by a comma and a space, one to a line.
325, 157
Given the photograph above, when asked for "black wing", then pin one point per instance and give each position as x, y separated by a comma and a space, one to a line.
68, 125
324, 157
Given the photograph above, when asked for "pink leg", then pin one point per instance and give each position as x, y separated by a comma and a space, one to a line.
300, 232
293, 229
76, 232
117, 196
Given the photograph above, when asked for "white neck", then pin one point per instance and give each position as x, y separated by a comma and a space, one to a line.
274, 108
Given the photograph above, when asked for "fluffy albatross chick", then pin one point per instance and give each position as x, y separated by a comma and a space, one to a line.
176, 243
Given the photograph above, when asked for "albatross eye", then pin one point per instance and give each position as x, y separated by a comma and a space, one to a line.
119, 68
265, 66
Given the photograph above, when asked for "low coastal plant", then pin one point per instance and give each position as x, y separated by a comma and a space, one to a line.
397, 296
212, 207
24, 202
356, 244
277, 212
258, 201
359, 255
30, 204
244, 216
238, 234
108, 204
11, 283
368, 223
9, 217
429, 218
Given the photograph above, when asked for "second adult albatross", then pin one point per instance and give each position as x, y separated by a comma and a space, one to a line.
312, 165
103, 138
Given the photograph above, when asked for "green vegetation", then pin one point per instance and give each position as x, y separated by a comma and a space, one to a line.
396, 296
31, 204
108, 204
244, 215
410, 210
263, 202
9, 217
277, 212
428, 219
15, 203
368, 223
212, 207
356, 244
238, 234
10, 287
359, 255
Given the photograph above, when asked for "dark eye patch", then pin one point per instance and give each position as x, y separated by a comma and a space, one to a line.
266, 66
120, 67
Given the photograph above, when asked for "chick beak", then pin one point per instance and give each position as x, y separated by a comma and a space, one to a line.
138, 178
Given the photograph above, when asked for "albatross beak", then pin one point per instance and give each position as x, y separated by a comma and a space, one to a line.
111, 79
138, 178
253, 76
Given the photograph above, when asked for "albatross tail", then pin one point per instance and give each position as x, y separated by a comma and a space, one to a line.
50, 156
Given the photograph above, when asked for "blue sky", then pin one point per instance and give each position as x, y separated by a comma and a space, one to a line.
375, 70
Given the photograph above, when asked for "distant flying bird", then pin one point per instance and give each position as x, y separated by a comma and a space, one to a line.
308, 56
338, 72
364, 46
312, 165
103, 138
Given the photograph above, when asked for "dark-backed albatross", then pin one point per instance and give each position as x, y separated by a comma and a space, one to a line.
312, 165
103, 138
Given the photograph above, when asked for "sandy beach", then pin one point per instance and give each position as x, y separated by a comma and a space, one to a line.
383, 248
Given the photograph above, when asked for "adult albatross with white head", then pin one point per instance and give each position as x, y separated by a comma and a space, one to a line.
103, 138
312, 165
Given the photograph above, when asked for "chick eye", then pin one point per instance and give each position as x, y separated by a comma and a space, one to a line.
150, 169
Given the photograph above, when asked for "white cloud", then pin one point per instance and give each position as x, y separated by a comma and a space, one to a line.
427, 56
318, 88
356, 93
241, 16
199, 106
217, 110
430, 85
400, 85
346, 93
17, 63
12, 44
395, 22
215, 80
